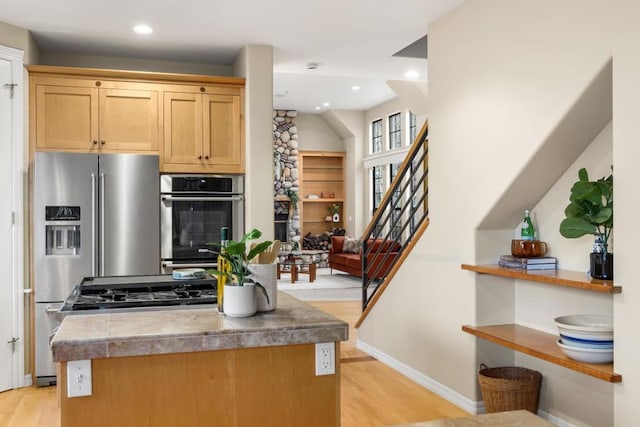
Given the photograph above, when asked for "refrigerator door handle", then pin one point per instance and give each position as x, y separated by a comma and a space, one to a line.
93, 225
102, 239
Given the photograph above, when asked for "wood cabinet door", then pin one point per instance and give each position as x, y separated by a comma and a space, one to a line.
182, 129
128, 120
66, 118
222, 133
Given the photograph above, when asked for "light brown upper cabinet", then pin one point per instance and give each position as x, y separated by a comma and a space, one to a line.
195, 123
95, 116
203, 132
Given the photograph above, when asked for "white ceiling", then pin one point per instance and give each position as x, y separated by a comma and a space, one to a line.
352, 40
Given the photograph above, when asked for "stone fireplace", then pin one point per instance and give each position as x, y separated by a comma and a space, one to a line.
285, 166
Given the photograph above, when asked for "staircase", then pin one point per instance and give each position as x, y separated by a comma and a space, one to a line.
399, 221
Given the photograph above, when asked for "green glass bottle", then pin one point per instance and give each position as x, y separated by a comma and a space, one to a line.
223, 265
527, 232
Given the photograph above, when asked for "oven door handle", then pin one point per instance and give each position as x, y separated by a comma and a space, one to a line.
202, 264
202, 199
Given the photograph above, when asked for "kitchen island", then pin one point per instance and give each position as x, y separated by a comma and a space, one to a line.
196, 367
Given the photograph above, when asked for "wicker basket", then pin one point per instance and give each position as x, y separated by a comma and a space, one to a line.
509, 388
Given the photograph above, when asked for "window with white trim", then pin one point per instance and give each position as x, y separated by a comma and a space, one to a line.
377, 186
376, 136
395, 131
413, 130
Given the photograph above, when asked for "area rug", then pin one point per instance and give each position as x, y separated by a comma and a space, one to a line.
327, 287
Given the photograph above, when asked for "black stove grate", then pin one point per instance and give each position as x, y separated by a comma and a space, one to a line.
132, 295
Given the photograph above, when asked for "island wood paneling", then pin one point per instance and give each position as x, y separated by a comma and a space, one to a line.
267, 386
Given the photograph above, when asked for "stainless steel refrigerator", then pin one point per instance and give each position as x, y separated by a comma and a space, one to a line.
93, 215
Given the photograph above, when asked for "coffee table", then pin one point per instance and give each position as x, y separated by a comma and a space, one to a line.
297, 266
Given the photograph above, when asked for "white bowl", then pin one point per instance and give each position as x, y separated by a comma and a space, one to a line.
574, 342
594, 327
587, 355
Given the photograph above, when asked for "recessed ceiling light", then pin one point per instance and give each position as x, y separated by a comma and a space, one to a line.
143, 29
317, 108
355, 87
412, 74
325, 104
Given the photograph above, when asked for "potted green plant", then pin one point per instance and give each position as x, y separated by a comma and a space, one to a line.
239, 299
293, 199
334, 209
590, 211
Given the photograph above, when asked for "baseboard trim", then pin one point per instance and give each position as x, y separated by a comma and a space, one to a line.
471, 406
558, 422
27, 381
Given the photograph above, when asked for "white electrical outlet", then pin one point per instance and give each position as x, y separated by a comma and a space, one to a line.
78, 378
325, 358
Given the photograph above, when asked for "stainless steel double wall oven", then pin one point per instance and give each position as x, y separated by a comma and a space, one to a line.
193, 209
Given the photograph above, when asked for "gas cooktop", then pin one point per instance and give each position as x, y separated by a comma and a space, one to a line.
139, 292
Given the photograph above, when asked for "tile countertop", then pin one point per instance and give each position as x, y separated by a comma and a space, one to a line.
103, 335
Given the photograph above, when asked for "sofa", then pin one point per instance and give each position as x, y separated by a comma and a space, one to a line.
351, 262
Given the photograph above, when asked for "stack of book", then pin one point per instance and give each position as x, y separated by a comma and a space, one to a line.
539, 263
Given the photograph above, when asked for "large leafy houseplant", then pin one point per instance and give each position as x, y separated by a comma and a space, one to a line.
237, 258
590, 210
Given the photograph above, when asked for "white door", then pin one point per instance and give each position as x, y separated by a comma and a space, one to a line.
7, 322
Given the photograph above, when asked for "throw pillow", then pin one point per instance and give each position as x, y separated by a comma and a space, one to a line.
351, 245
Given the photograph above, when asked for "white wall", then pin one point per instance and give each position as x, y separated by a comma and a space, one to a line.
316, 134
255, 63
19, 38
349, 125
134, 64
504, 74
626, 152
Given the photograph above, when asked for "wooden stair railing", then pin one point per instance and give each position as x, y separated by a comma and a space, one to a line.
396, 225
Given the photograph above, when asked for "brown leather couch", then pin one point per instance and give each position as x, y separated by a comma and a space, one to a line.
352, 263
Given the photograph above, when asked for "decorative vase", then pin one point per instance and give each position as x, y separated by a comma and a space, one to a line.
336, 217
601, 261
266, 275
240, 301
601, 265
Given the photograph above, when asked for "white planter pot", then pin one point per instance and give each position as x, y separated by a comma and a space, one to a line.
239, 301
266, 275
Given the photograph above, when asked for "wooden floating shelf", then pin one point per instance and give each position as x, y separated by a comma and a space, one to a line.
573, 279
540, 345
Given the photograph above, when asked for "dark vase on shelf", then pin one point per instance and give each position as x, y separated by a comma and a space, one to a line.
602, 265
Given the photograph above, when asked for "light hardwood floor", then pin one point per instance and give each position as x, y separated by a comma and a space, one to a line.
372, 394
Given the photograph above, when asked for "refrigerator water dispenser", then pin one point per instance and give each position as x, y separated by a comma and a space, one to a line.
62, 229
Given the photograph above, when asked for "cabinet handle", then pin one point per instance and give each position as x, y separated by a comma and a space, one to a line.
102, 142
95, 142
206, 157
98, 83
199, 157
202, 89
